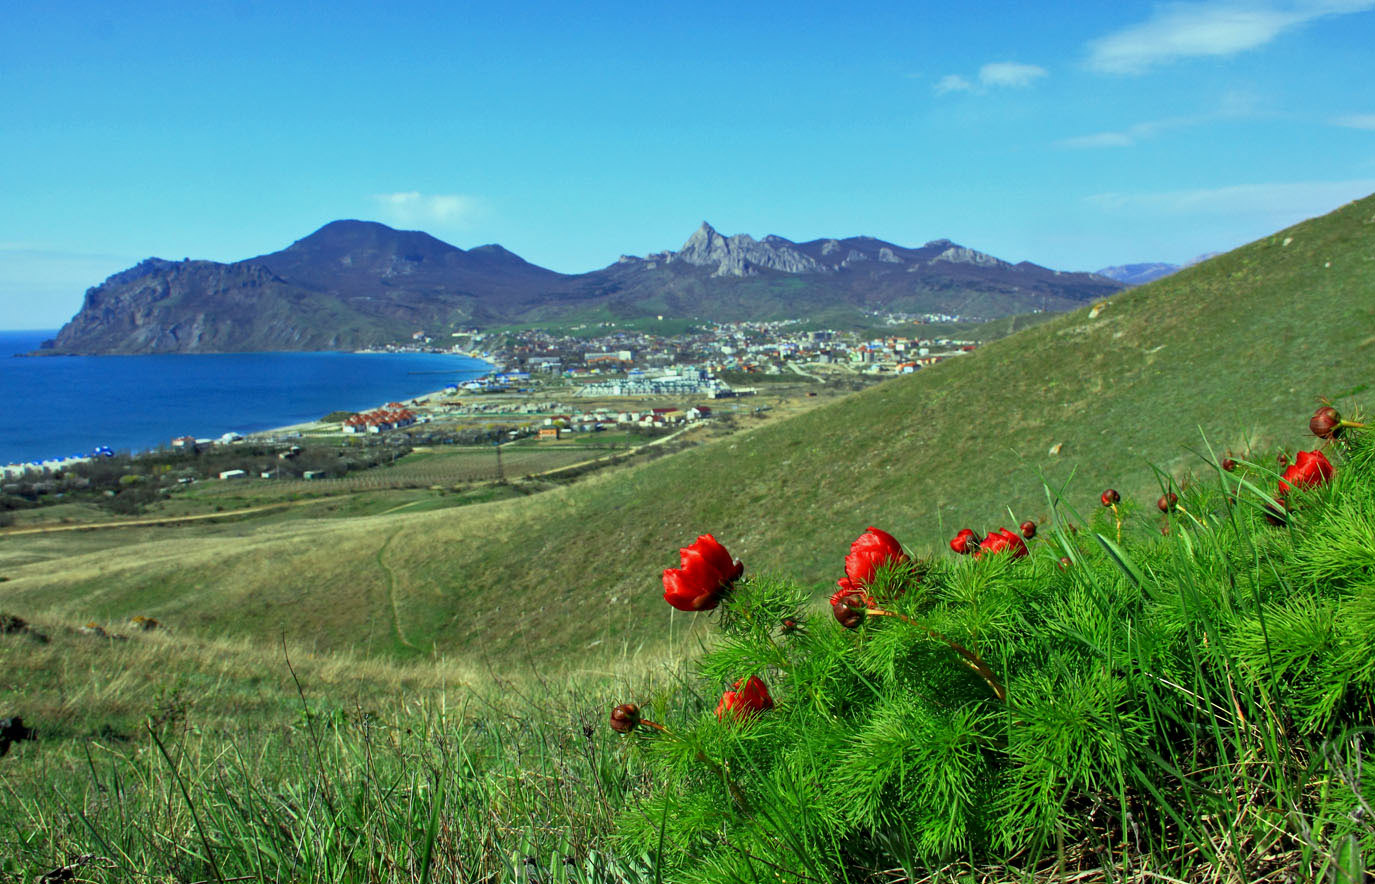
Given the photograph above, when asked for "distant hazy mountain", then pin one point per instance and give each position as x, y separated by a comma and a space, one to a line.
1140, 274
357, 283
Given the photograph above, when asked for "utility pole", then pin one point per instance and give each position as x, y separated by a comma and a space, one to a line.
501, 474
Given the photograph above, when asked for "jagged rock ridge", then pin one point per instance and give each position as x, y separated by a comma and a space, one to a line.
355, 284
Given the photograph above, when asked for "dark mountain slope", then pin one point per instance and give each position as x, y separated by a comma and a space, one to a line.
356, 284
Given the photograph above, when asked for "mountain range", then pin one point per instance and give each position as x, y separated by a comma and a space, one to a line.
354, 284
1140, 274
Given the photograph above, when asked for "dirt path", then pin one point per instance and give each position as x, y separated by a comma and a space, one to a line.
390, 578
609, 458
165, 520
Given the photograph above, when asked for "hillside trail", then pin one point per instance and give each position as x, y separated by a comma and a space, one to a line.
390, 579
166, 520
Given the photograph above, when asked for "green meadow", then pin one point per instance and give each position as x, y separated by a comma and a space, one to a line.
418, 692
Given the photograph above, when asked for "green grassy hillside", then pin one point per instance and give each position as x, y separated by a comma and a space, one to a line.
1231, 349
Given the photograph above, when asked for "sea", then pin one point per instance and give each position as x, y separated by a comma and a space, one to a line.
69, 406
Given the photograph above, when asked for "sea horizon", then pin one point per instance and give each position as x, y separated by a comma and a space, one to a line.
55, 408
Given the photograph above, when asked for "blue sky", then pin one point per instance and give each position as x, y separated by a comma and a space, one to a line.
1076, 138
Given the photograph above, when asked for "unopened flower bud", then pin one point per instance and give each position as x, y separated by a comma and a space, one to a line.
849, 610
1228, 464
1065, 563
789, 625
1167, 501
1028, 529
1282, 459
625, 718
1326, 423
1110, 497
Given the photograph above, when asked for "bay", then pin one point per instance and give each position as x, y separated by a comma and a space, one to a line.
62, 406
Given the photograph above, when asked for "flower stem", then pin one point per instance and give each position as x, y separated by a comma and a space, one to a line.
736, 793
971, 659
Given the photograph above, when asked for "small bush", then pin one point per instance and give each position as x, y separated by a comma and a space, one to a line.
1196, 696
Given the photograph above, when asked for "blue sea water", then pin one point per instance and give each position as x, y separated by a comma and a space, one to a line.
59, 406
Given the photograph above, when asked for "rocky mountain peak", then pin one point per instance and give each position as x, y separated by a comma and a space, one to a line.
961, 255
743, 255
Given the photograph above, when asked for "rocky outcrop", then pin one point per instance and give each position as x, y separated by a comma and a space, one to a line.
960, 255
742, 255
355, 284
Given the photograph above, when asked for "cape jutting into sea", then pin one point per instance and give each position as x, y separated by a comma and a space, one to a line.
62, 406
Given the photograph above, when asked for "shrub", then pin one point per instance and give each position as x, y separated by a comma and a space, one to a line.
1190, 697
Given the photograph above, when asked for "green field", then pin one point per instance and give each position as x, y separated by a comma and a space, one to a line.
1229, 356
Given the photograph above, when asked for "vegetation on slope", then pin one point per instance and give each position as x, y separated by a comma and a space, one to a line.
1192, 705
162, 758
1232, 347
1193, 700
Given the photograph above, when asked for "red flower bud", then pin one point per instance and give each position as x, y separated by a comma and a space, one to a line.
965, 542
1110, 497
1167, 502
1228, 464
849, 603
1282, 459
744, 702
789, 625
872, 550
1065, 563
1002, 540
1028, 529
625, 718
1326, 423
706, 574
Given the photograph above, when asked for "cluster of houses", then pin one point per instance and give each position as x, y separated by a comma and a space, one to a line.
767, 347
586, 422
685, 381
393, 416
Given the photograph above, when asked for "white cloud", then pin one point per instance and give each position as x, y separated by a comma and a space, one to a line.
994, 75
1209, 28
1356, 121
1010, 73
953, 83
414, 207
1138, 132
1101, 139
1284, 202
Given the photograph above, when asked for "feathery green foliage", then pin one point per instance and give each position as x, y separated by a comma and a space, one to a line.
1197, 699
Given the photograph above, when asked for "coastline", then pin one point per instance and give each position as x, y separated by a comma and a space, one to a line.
221, 399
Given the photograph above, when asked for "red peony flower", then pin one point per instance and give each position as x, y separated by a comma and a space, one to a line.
707, 572
1110, 497
872, 550
965, 542
1309, 469
1028, 529
744, 702
1002, 540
